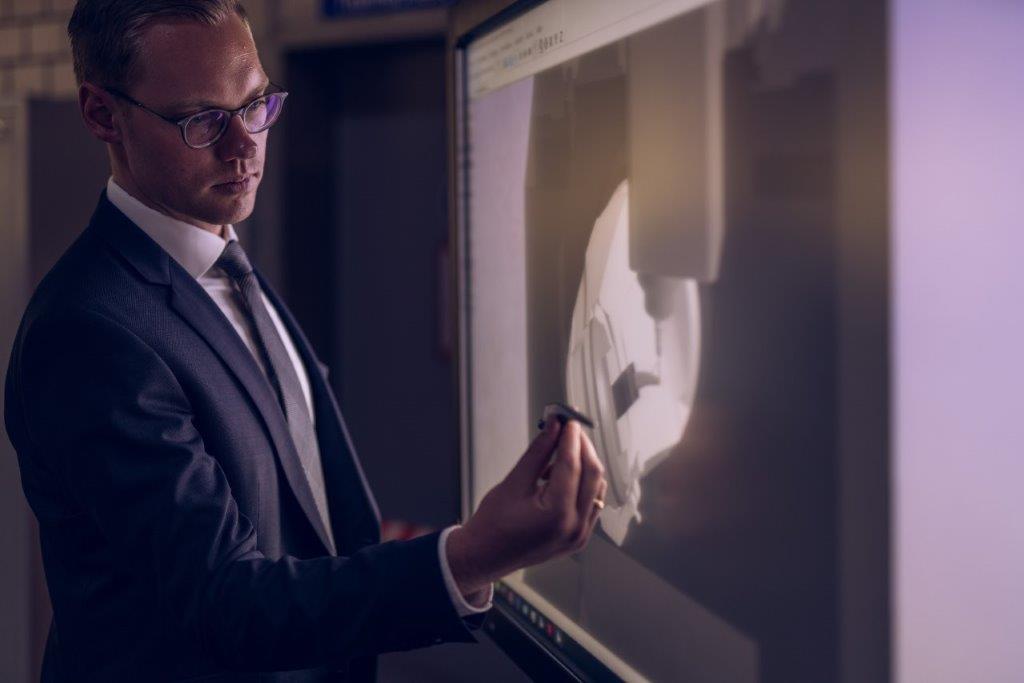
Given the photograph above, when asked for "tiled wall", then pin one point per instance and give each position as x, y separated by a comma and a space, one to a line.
35, 57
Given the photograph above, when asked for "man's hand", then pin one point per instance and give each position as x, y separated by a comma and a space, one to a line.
521, 522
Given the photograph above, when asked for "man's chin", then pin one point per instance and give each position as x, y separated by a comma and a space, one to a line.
222, 211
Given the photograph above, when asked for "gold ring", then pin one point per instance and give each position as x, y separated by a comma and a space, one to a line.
599, 504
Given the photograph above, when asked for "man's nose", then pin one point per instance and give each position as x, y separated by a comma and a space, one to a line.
236, 143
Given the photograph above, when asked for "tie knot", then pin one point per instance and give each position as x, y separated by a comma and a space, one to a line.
234, 262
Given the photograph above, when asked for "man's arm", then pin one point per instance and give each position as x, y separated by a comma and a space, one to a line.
109, 417
466, 605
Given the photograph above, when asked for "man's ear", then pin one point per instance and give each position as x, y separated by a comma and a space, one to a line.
97, 108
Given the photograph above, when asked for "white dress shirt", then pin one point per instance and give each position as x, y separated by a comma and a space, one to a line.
197, 250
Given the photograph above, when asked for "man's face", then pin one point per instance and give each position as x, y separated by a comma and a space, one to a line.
186, 67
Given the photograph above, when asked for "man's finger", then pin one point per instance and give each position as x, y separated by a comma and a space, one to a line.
534, 461
594, 515
595, 511
563, 486
591, 477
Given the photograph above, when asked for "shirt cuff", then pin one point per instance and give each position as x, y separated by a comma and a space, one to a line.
476, 603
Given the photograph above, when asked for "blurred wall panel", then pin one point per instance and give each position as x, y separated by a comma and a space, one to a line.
863, 241
15, 537
365, 228
68, 170
958, 167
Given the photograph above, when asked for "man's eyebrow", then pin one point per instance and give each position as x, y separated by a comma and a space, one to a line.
200, 105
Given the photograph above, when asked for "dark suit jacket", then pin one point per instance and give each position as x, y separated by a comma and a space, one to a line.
179, 536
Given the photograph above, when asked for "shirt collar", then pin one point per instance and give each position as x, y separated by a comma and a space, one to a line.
195, 249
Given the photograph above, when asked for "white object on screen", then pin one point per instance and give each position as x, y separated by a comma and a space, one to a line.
634, 375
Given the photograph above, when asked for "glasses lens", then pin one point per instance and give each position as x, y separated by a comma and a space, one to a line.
205, 127
262, 113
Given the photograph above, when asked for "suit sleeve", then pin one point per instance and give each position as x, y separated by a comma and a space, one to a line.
110, 417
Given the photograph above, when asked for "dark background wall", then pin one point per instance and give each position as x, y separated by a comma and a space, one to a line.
364, 234
365, 228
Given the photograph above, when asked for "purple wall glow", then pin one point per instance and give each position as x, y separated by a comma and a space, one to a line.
958, 248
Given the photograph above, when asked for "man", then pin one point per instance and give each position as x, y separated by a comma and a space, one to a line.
201, 511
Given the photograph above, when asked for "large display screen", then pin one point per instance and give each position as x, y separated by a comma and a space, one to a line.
648, 233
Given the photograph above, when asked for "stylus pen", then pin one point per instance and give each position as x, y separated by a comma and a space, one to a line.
563, 414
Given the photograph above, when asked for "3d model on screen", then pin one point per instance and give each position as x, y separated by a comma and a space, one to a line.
635, 337
655, 239
633, 372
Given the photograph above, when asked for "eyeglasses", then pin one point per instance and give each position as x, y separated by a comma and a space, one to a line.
206, 127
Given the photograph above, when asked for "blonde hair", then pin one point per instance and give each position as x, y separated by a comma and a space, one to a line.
105, 34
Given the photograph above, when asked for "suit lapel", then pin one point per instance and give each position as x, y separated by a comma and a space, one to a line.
191, 302
194, 305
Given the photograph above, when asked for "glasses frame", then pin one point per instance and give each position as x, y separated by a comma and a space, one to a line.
182, 123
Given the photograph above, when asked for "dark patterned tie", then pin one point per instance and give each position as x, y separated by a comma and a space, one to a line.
281, 373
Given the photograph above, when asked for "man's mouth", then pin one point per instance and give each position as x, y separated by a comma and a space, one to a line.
236, 185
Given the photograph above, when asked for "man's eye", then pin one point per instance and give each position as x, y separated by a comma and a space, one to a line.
207, 117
